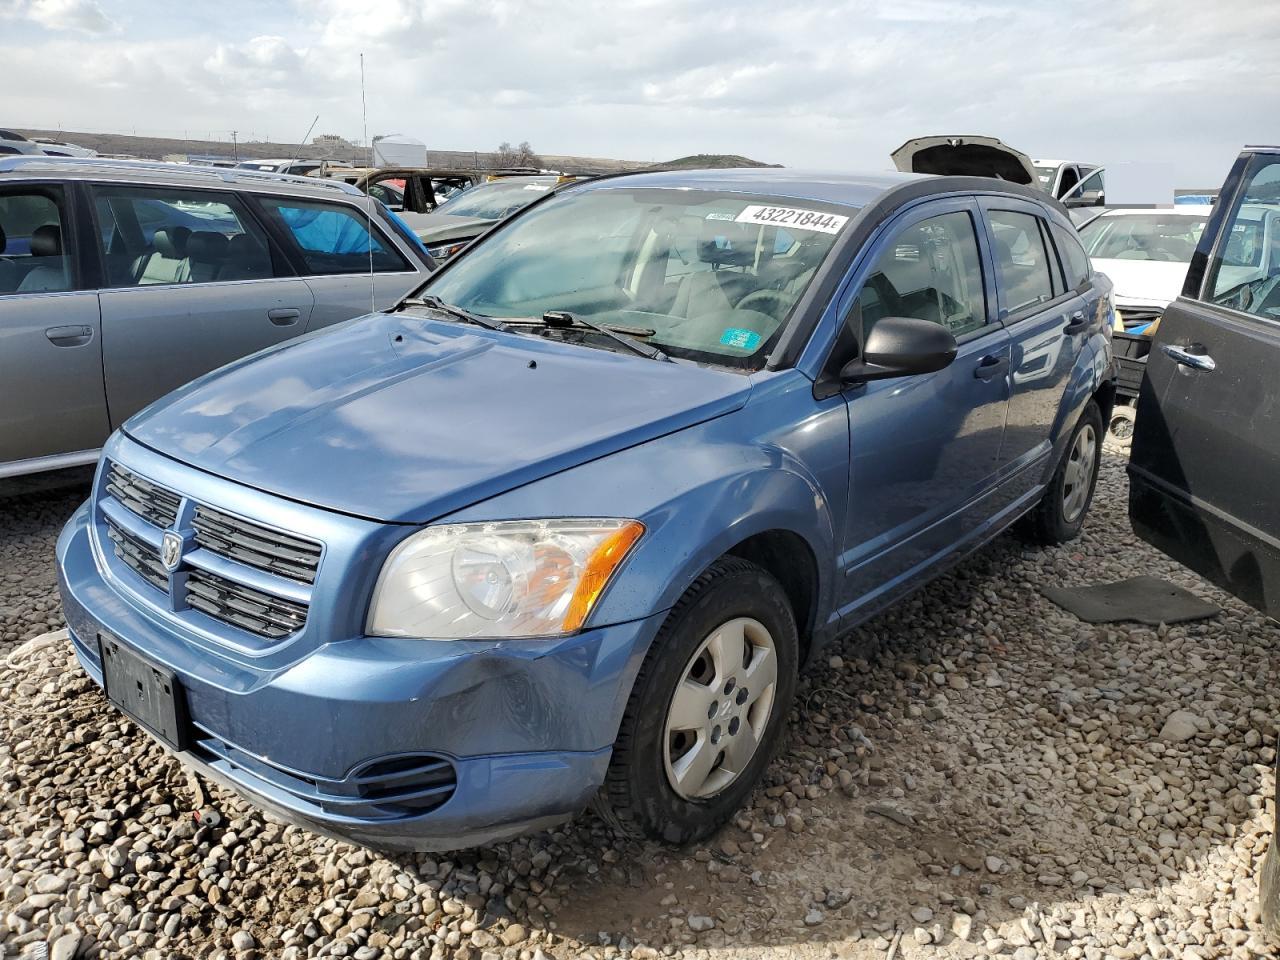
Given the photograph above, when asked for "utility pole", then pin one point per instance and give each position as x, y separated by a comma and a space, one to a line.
235, 146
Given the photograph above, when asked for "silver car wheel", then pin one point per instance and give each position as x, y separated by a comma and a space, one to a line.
1078, 477
720, 709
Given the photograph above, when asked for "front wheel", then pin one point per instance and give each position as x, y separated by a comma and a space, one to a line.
1060, 514
707, 709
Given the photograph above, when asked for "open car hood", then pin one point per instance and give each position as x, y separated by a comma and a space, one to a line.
965, 156
434, 227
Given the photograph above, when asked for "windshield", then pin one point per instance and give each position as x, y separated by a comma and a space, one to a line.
704, 275
1045, 175
493, 201
1153, 236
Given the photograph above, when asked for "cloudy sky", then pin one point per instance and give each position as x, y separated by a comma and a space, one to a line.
833, 85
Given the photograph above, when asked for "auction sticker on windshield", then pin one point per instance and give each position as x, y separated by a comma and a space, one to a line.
793, 218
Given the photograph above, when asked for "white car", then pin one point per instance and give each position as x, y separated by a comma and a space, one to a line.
1063, 178
1146, 253
61, 148
13, 142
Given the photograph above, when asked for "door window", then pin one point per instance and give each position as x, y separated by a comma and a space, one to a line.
333, 238
1245, 271
1023, 265
32, 259
155, 236
1074, 260
930, 271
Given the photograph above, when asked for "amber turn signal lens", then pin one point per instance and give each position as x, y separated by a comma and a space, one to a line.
600, 567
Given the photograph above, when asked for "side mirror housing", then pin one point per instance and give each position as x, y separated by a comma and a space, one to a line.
901, 347
1090, 198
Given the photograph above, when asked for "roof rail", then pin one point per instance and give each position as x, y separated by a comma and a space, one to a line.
46, 164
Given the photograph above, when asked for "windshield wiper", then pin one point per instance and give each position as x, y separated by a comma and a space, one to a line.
458, 313
564, 319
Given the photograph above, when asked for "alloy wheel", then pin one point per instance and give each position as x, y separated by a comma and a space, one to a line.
1078, 476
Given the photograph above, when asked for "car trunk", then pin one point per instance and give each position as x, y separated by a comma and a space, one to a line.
965, 157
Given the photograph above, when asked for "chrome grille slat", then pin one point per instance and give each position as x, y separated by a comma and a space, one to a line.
138, 557
255, 545
150, 501
243, 607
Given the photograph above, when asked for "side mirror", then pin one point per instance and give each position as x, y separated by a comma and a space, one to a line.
901, 347
1090, 198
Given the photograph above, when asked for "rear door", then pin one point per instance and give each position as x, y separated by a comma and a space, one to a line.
1206, 449
193, 282
1048, 325
51, 397
349, 258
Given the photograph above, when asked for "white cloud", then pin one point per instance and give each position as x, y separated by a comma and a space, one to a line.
85, 16
262, 61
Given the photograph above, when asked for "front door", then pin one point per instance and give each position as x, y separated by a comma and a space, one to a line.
193, 282
924, 449
1205, 461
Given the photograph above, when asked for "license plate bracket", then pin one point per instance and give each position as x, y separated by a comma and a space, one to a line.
144, 691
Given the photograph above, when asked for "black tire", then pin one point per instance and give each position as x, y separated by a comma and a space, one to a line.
1048, 523
637, 799
1120, 429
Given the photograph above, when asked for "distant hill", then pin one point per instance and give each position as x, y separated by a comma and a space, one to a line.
713, 160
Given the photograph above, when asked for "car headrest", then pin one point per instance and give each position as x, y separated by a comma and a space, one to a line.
171, 243
243, 248
207, 246
46, 241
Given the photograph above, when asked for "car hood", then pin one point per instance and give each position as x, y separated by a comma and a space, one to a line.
1153, 283
400, 418
965, 156
433, 227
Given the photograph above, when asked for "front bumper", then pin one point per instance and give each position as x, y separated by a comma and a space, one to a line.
526, 728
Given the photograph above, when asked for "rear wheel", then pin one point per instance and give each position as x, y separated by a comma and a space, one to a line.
1061, 512
707, 709
1121, 426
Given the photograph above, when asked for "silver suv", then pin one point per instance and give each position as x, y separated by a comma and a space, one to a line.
121, 280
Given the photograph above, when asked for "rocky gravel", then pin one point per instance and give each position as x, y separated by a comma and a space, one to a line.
974, 774
30, 520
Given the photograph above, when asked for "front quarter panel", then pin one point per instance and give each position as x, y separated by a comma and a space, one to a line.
778, 463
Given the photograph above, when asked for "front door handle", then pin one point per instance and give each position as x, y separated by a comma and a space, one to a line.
991, 367
72, 336
1076, 323
284, 316
1196, 361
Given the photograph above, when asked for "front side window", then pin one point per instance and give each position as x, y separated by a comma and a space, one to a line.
699, 274
1023, 265
32, 258
333, 238
930, 271
1245, 271
493, 201
1160, 236
152, 236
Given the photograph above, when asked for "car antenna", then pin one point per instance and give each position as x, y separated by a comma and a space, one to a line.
297, 151
370, 201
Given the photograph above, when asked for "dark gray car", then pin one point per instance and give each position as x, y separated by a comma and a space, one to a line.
121, 280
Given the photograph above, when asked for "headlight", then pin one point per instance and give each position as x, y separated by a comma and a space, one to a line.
519, 578
447, 250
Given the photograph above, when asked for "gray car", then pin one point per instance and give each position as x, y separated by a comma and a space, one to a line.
121, 280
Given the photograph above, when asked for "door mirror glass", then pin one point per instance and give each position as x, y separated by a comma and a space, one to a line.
901, 347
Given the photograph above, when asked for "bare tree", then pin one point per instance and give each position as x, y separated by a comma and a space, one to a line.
521, 156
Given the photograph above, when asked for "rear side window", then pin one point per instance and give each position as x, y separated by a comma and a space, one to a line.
155, 235
32, 258
1074, 260
333, 238
1023, 265
930, 271
1245, 271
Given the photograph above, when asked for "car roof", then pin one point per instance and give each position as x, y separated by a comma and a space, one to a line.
846, 189
153, 172
1178, 210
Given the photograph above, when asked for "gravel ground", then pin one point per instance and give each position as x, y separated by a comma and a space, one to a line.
975, 773
30, 520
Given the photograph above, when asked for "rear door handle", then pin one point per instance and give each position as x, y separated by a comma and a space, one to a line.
72, 336
991, 367
1076, 323
284, 316
1196, 361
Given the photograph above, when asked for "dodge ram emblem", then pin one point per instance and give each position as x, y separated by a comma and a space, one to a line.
171, 551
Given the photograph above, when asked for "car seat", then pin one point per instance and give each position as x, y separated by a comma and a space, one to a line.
168, 264
50, 272
206, 254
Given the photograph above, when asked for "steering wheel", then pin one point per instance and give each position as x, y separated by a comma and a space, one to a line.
773, 297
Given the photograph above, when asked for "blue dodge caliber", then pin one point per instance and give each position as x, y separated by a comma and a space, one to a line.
562, 528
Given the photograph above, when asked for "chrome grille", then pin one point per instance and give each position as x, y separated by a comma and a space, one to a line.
244, 607
152, 502
255, 545
139, 557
